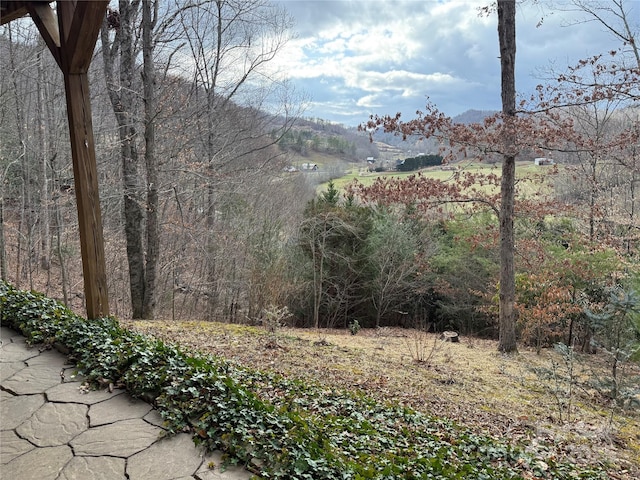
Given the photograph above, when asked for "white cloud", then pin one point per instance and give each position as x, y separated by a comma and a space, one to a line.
369, 101
359, 55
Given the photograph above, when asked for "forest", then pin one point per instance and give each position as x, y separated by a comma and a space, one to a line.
201, 221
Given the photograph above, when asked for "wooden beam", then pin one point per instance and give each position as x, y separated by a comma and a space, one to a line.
76, 51
85, 176
81, 25
12, 10
46, 21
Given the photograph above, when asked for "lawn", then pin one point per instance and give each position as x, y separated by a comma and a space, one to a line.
528, 175
509, 397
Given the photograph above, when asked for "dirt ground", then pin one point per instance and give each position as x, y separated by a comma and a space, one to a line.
523, 397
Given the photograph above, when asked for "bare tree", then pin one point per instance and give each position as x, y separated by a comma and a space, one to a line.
230, 44
149, 22
598, 94
124, 36
119, 51
618, 17
507, 37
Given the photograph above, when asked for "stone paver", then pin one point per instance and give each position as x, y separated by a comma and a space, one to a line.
52, 429
180, 459
154, 418
94, 468
49, 358
38, 464
120, 407
15, 410
12, 446
10, 369
32, 380
71, 392
14, 352
211, 469
120, 439
7, 333
54, 424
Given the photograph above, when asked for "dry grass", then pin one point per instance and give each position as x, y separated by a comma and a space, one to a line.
467, 381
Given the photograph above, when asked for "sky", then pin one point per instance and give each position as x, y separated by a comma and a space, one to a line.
353, 58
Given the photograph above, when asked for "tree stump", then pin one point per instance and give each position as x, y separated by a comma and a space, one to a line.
450, 337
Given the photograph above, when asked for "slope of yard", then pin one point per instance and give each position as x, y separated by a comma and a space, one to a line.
526, 397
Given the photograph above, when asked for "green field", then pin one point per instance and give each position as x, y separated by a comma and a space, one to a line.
525, 172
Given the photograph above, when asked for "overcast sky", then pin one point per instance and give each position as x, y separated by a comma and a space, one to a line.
357, 57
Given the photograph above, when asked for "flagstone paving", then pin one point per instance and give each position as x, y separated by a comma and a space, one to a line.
51, 429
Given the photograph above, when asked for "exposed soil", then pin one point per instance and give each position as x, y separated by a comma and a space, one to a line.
469, 382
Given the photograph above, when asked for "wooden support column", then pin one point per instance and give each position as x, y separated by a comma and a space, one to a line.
85, 176
71, 32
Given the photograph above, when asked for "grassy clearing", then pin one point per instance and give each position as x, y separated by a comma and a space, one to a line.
529, 176
468, 382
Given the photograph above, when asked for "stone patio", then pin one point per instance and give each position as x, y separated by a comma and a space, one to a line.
51, 429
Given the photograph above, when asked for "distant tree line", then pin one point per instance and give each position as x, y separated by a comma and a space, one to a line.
305, 141
421, 161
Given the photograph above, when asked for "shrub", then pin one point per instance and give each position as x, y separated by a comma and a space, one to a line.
354, 327
617, 332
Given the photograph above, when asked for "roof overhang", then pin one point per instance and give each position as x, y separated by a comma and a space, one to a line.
13, 9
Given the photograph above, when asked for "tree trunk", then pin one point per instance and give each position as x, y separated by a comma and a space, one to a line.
4, 274
211, 252
593, 199
122, 96
25, 197
45, 239
59, 226
150, 106
128, 135
507, 36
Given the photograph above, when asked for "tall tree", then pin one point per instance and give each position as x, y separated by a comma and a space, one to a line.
124, 36
149, 21
507, 38
119, 51
496, 135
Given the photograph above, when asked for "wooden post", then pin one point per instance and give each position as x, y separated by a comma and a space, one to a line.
71, 33
85, 176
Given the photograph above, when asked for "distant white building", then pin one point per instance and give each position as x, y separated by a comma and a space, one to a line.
543, 161
309, 167
371, 162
